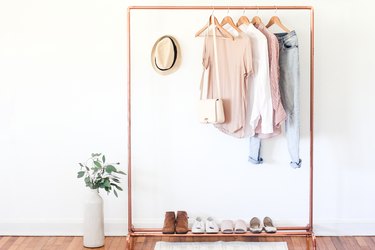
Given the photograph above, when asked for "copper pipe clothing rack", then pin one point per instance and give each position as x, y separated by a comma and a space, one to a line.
281, 231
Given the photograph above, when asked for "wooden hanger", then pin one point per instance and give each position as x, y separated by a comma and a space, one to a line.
256, 20
229, 20
276, 20
223, 31
243, 20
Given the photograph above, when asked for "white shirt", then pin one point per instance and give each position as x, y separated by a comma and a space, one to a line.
260, 102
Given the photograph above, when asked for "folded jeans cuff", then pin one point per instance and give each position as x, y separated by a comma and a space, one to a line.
254, 161
295, 164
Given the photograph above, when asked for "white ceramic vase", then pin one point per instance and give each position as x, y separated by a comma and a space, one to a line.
93, 232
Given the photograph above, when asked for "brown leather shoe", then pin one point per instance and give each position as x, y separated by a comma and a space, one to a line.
182, 222
169, 223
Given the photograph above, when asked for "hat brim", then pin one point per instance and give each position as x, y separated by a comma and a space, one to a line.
177, 61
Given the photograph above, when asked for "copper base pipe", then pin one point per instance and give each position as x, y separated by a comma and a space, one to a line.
247, 234
145, 230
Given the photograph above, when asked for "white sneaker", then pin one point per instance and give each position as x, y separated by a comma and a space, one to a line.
211, 226
198, 226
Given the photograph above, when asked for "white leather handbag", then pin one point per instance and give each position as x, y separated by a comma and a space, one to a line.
211, 111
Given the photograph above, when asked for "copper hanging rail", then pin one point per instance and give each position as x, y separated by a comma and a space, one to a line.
282, 231
220, 7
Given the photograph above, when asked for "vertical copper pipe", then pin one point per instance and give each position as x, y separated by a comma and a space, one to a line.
130, 215
311, 202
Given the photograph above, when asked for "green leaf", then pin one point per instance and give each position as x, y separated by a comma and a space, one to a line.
109, 169
120, 172
114, 191
87, 168
116, 186
89, 184
80, 174
98, 164
107, 183
116, 180
80, 164
103, 158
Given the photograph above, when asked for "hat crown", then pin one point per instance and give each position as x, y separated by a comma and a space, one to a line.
164, 53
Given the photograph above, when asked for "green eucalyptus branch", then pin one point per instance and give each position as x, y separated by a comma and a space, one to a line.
99, 174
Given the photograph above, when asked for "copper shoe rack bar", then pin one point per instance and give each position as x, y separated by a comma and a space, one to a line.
282, 231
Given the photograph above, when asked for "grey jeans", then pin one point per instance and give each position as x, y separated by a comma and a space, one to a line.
289, 91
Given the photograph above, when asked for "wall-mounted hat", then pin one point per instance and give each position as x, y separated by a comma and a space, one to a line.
165, 55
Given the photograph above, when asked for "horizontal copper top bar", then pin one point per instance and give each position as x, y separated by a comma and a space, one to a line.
222, 7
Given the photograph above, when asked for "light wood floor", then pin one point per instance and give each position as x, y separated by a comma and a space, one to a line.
143, 243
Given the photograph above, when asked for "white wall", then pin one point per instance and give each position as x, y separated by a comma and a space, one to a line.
63, 96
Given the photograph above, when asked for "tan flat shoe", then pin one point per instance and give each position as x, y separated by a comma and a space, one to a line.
255, 225
268, 225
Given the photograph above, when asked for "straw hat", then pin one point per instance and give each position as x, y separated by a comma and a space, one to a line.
165, 55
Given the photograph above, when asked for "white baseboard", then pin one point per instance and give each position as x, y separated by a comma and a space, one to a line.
344, 228
119, 227
58, 227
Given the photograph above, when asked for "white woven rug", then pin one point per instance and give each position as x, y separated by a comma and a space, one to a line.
221, 245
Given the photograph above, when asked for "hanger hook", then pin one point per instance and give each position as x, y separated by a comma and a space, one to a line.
243, 13
257, 10
275, 9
